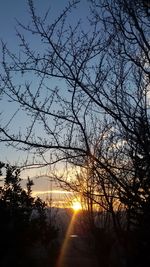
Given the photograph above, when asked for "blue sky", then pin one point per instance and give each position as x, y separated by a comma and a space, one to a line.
18, 9
10, 10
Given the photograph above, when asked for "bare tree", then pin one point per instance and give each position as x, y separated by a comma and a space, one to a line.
85, 92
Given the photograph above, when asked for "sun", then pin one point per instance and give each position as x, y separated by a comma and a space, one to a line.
76, 205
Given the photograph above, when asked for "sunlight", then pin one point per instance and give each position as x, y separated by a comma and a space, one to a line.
64, 247
76, 205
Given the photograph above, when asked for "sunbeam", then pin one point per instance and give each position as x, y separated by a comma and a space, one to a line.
64, 247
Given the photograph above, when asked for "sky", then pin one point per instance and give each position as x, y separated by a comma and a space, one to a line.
10, 10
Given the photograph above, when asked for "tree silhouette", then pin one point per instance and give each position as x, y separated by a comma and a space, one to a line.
22, 230
90, 101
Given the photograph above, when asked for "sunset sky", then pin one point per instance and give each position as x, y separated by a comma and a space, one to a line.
9, 12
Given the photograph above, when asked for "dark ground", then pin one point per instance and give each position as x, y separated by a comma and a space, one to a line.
78, 254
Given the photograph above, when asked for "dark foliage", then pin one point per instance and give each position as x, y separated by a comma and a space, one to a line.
26, 233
